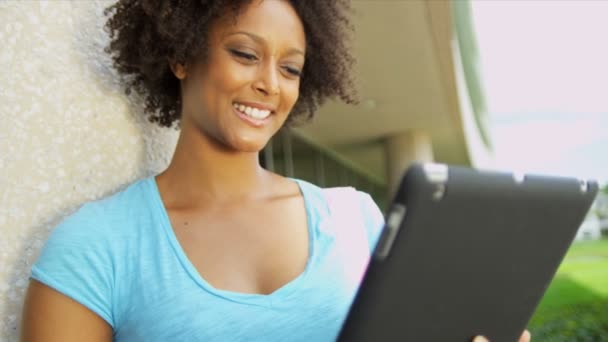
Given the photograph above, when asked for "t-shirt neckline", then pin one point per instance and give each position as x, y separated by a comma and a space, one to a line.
245, 298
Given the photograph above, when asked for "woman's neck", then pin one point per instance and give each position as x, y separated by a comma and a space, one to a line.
202, 170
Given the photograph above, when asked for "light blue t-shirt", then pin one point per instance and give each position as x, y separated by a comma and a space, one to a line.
120, 258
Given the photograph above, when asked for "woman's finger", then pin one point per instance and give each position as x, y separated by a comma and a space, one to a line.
525, 337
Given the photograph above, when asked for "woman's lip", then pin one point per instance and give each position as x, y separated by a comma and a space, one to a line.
257, 105
251, 121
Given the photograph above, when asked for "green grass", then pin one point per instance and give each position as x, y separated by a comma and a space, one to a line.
575, 306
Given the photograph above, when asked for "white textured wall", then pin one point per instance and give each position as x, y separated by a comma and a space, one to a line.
67, 133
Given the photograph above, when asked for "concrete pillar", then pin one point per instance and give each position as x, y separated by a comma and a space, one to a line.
401, 150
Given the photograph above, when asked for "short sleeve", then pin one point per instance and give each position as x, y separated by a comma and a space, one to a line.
76, 261
373, 219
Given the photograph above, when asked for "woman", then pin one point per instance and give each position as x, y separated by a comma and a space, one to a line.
215, 247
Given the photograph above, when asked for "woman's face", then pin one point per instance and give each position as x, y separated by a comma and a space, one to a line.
242, 93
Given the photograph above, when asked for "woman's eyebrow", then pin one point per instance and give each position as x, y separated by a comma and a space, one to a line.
260, 40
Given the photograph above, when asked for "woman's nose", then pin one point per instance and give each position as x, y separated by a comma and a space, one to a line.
268, 80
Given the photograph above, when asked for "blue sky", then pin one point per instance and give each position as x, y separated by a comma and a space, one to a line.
545, 74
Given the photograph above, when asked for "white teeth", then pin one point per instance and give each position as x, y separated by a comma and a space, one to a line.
252, 112
263, 114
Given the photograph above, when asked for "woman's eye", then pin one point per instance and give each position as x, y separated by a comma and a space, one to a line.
244, 55
293, 71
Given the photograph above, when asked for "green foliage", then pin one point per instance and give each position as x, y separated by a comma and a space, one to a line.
575, 306
572, 323
562, 293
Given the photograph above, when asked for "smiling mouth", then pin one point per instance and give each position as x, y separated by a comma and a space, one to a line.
254, 113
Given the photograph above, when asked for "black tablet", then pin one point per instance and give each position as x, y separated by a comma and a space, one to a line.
466, 252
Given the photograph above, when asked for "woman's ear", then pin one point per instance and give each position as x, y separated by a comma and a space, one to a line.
179, 70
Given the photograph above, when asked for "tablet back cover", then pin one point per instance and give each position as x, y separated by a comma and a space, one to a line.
473, 255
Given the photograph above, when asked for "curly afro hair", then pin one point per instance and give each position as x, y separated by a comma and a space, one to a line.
146, 34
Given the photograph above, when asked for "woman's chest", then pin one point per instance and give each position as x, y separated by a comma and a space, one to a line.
170, 305
249, 250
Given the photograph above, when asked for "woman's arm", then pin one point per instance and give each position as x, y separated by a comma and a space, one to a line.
51, 316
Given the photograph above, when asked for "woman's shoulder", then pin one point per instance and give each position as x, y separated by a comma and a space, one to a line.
347, 201
98, 218
82, 253
126, 197
80, 256
344, 193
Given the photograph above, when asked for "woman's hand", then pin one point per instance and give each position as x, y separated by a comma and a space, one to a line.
525, 337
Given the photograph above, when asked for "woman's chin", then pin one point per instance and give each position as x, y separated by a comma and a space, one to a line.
248, 145
251, 149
